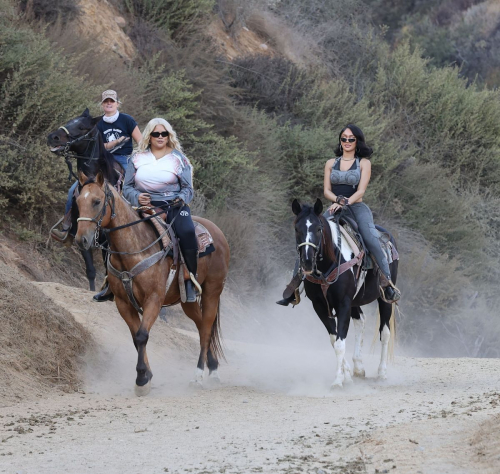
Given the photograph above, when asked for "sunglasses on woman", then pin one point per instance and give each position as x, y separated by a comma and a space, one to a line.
345, 140
157, 134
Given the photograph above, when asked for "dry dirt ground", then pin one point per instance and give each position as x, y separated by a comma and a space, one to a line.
273, 412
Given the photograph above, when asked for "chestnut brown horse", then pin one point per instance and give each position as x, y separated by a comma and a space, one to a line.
99, 205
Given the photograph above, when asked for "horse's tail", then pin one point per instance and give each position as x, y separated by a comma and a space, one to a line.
216, 337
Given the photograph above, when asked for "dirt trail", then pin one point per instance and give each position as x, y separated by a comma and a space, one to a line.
273, 413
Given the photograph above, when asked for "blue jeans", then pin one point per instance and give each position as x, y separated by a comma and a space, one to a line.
364, 218
122, 159
69, 200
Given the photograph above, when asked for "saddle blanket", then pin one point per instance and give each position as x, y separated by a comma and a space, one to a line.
351, 245
203, 236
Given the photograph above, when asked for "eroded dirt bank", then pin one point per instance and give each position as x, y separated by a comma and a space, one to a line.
273, 413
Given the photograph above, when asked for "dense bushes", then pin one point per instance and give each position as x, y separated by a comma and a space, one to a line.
259, 129
170, 15
38, 93
50, 10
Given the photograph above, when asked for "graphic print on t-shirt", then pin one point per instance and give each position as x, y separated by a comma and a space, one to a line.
112, 134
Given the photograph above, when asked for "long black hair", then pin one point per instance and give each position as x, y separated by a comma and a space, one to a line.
362, 149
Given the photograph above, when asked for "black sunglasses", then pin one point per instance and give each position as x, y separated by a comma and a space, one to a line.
157, 134
345, 140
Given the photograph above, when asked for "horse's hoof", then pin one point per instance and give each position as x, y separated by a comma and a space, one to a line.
196, 385
336, 386
214, 381
382, 376
144, 390
359, 373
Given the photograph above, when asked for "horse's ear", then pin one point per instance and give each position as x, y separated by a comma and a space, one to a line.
318, 207
82, 178
86, 113
296, 207
99, 179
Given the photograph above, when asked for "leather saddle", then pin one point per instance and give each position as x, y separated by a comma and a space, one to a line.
203, 236
349, 229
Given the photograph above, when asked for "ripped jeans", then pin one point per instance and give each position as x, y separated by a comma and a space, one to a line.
364, 218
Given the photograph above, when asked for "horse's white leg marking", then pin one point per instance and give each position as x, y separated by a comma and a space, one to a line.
346, 369
198, 375
359, 327
382, 368
308, 234
215, 375
197, 382
339, 346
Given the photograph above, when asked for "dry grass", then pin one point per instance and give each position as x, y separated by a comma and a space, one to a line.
40, 343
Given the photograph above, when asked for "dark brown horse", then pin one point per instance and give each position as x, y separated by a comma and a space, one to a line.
79, 139
100, 205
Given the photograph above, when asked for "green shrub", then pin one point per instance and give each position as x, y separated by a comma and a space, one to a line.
38, 93
50, 10
171, 15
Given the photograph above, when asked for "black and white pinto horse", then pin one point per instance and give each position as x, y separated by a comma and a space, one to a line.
330, 283
80, 139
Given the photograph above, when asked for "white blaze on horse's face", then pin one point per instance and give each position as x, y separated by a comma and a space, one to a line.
308, 235
86, 195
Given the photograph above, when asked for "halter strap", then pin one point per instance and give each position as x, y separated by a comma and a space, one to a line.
314, 246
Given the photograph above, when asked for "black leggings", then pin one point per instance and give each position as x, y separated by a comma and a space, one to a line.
183, 226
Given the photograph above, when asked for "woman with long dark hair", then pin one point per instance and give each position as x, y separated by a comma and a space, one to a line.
345, 181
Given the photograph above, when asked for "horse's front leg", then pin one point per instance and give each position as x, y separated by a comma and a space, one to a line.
151, 310
89, 267
343, 372
358, 320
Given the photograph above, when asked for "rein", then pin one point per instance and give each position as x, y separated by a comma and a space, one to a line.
68, 154
337, 268
98, 218
127, 276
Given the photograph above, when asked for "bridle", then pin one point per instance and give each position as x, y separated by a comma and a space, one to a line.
98, 218
89, 137
317, 252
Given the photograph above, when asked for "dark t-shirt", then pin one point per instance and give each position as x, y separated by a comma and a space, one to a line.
123, 126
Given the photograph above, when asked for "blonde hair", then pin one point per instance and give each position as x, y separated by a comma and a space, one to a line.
172, 136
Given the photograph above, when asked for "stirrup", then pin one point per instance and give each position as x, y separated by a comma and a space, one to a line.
396, 292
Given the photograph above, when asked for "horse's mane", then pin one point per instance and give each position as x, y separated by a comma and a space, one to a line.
106, 162
327, 244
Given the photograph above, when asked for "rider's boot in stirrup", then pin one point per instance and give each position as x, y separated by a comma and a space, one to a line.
291, 293
63, 235
105, 294
388, 290
193, 288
